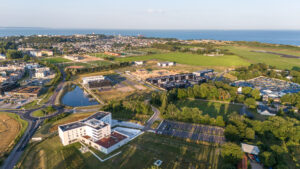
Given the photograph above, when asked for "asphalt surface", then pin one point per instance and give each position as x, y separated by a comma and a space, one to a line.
198, 132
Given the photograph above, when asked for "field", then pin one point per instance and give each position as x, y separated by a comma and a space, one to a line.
192, 59
55, 60
140, 153
11, 129
213, 109
270, 59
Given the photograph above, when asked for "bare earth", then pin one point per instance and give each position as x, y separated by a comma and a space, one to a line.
9, 129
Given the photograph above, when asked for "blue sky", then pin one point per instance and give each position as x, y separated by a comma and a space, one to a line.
152, 14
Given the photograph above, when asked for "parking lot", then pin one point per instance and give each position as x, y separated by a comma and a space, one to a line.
195, 132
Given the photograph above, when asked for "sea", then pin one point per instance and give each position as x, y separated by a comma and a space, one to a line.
286, 37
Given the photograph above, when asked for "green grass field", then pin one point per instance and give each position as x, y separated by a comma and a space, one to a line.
100, 63
211, 108
192, 59
270, 59
140, 153
55, 60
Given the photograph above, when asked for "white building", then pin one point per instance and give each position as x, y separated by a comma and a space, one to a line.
165, 64
139, 63
40, 53
42, 72
86, 80
94, 131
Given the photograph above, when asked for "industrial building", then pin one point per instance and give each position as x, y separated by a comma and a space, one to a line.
97, 81
94, 131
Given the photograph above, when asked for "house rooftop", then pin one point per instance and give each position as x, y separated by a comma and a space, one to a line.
247, 148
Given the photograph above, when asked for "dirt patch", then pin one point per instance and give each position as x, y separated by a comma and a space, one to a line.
144, 74
87, 58
75, 67
9, 129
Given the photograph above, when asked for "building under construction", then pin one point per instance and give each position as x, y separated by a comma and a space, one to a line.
177, 81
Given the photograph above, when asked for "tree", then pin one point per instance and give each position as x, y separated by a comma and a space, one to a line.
250, 133
164, 102
240, 98
251, 103
267, 159
13, 54
231, 153
255, 93
182, 94
232, 133
219, 121
246, 90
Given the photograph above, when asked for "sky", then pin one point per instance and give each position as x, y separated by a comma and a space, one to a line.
152, 14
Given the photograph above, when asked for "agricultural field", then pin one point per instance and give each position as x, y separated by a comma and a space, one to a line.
270, 59
213, 109
192, 59
11, 129
139, 153
55, 60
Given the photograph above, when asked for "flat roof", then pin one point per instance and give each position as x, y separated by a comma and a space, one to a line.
71, 126
80, 123
111, 140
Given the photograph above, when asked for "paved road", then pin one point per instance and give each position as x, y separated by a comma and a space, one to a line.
152, 119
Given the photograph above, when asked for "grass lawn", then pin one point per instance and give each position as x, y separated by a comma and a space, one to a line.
38, 113
211, 108
270, 59
192, 59
54, 60
99, 63
140, 153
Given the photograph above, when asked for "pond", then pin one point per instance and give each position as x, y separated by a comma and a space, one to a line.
75, 97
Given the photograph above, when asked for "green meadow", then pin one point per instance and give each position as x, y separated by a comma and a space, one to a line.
192, 59
139, 153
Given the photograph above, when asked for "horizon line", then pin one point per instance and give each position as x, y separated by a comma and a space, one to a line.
162, 29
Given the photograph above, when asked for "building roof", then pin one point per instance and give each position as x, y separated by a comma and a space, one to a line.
71, 126
111, 140
89, 121
247, 148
